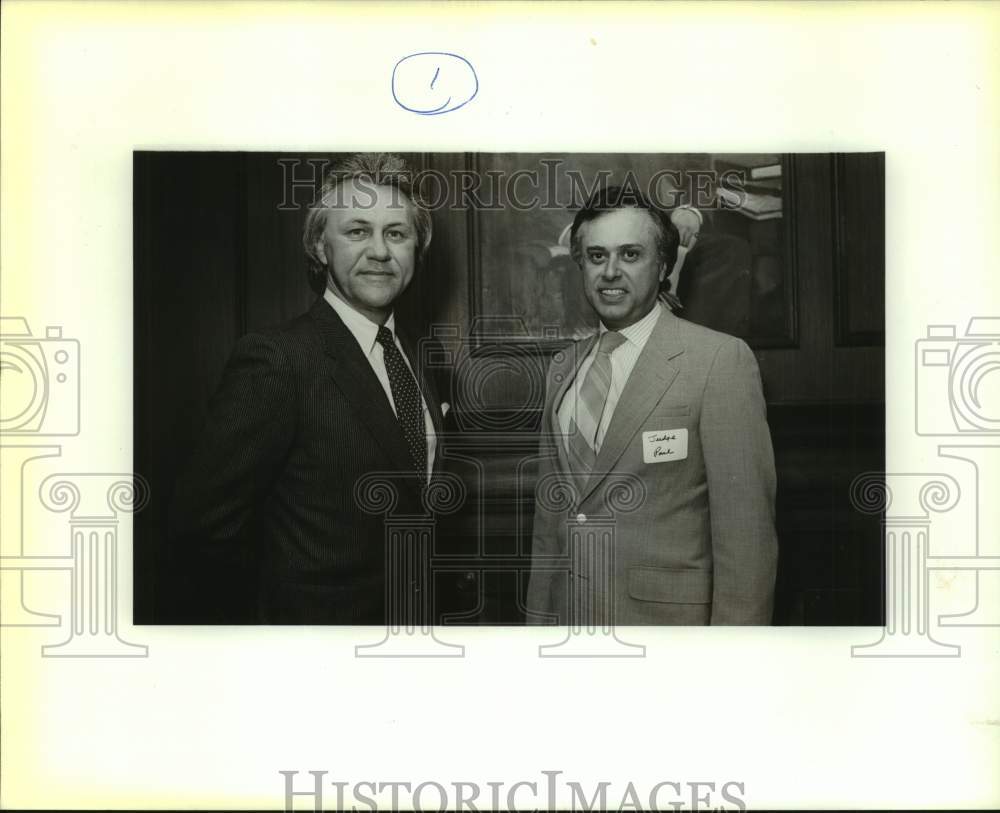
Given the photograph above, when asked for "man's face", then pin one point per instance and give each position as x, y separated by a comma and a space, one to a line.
621, 268
369, 250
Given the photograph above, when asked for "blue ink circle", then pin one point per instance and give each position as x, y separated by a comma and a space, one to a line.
421, 81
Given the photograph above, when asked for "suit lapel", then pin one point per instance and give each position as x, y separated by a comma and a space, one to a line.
652, 375
575, 355
356, 379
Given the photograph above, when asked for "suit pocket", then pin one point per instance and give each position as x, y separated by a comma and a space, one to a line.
670, 586
670, 411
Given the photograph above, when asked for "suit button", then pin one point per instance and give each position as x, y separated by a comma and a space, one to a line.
581, 518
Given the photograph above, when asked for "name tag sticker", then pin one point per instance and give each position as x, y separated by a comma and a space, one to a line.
664, 446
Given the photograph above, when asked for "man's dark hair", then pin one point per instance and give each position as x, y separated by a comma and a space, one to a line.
608, 199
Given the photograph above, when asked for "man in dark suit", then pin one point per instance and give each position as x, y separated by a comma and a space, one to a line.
668, 413
307, 411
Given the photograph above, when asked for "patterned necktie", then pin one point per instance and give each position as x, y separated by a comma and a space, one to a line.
406, 396
590, 403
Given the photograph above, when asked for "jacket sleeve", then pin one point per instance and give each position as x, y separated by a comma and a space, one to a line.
247, 436
545, 535
739, 465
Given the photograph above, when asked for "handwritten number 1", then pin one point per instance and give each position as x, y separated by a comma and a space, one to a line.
411, 90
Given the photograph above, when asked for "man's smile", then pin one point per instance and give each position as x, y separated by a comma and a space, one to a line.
612, 294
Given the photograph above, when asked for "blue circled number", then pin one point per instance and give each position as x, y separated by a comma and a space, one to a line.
433, 82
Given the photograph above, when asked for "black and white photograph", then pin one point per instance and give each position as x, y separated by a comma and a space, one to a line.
499, 406
464, 388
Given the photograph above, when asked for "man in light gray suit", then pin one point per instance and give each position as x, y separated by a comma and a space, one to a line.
655, 498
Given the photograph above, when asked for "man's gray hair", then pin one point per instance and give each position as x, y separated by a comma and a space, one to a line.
370, 169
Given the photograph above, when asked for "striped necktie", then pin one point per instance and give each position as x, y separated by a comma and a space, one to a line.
406, 396
591, 400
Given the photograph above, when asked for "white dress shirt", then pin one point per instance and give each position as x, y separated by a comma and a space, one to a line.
623, 359
366, 332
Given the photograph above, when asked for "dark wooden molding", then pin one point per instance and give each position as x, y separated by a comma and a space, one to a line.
844, 257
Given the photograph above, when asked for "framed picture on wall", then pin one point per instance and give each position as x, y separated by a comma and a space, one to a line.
736, 275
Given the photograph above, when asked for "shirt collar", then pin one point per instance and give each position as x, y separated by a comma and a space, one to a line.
362, 328
638, 332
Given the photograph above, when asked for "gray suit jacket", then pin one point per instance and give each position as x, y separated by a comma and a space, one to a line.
689, 540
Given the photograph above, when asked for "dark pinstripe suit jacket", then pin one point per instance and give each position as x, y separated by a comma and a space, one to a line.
298, 419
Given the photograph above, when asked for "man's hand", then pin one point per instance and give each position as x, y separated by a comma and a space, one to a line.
688, 223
